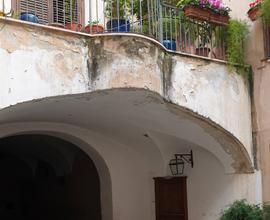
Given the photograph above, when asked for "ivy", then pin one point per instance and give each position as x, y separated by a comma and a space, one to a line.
265, 12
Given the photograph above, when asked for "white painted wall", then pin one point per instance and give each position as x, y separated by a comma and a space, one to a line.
210, 190
53, 64
132, 170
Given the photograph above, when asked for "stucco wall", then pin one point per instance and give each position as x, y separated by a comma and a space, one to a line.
261, 114
39, 62
132, 170
262, 123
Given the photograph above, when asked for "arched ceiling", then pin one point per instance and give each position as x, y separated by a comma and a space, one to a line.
137, 118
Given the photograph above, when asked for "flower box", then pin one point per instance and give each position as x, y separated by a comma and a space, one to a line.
205, 14
219, 19
197, 12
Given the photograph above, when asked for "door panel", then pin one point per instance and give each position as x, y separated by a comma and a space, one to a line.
171, 198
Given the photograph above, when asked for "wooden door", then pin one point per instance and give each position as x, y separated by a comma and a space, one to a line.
171, 198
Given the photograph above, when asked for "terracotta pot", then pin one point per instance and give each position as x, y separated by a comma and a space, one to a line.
253, 14
202, 51
59, 25
94, 29
219, 19
73, 26
197, 12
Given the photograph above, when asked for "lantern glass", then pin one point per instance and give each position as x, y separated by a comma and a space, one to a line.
176, 166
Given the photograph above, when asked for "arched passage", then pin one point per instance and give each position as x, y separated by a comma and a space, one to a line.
47, 178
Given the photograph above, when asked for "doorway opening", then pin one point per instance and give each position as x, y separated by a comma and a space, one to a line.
47, 178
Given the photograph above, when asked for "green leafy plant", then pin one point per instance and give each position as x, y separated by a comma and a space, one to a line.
265, 12
266, 211
70, 10
236, 36
241, 210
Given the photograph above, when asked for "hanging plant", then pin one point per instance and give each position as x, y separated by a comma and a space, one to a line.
254, 11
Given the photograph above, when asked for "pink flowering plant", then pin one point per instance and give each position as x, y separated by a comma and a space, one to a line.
256, 4
214, 5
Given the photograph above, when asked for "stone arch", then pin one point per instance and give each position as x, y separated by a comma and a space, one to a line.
58, 131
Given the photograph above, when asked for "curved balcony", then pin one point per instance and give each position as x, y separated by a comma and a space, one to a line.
159, 20
127, 80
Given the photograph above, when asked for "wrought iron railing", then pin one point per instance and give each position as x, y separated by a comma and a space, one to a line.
155, 18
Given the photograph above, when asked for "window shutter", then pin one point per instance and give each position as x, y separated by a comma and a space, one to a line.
49, 11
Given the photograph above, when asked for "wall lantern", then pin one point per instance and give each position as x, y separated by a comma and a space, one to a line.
177, 165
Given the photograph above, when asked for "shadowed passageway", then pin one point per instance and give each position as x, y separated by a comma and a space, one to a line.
47, 178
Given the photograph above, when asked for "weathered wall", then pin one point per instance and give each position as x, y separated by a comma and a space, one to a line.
39, 62
261, 108
262, 123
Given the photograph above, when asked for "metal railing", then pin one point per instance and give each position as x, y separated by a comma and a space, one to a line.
155, 18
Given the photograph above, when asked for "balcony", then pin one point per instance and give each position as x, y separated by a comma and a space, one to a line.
159, 20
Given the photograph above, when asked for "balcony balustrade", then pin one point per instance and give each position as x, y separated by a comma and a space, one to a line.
157, 19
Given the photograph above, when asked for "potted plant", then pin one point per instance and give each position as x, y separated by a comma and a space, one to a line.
72, 23
212, 11
254, 11
203, 39
94, 27
29, 16
117, 11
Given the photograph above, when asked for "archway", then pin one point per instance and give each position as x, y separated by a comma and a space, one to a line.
47, 178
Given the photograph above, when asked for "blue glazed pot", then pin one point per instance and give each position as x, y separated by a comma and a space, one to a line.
114, 26
28, 16
169, 44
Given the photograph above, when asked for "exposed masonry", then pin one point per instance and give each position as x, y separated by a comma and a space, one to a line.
42, 62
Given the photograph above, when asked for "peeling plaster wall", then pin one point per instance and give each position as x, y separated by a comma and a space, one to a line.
38, 62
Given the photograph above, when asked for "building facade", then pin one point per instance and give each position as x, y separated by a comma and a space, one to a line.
91, 121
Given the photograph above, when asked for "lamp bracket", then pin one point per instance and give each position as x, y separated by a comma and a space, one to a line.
187, 158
